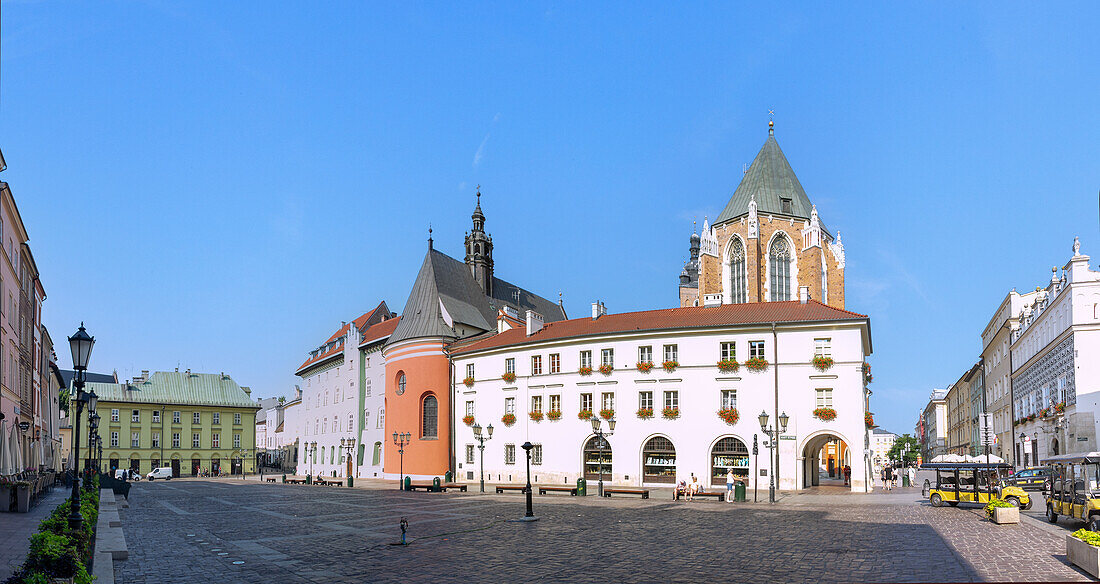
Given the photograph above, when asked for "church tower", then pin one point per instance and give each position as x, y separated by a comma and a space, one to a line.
479, 250
768, 242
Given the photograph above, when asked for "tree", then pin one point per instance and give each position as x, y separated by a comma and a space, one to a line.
899, 445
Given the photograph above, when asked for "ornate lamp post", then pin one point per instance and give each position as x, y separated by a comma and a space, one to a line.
597, 429
348, 447
402, 439
93, 430
773, 444
481, 446
81, 345
23, 427
1023, 447
530, 515
311, 450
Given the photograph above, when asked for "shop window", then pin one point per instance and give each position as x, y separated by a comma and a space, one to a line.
659, 461
728, 454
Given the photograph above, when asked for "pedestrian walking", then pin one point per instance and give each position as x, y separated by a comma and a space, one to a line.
882, 477
894, 478
912, 476
847, 475
889, 479
729, 485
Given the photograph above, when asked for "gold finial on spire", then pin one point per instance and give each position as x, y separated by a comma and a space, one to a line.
771, 122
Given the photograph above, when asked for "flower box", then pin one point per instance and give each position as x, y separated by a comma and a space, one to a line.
670, 366
536, 416
644, 366
822, 363
670, 413
509, 377
584, 415
1083, 554
508, 419
826, 414
728, 365
606, 369
468, 420
469, 381
553, 415
869, 419
607, 414
1006, 515
645, 413
585, 371
756, 364
729, 415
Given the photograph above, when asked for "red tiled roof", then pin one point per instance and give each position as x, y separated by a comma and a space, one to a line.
379, 330
669, 319
343, 331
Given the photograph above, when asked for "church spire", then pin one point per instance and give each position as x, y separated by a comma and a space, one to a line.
479, 249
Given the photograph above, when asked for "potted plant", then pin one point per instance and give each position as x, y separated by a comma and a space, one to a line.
606, 369
607, 414
509, 377
1060, 407
757, 364
729, 415
1083, 549
670, 413
553, 415
508, 419
826, 414
468, 420
584, 415
822, 363
869, 419
1002, 512
645, 413
670, 366
728, 365
644, 366
585, 371
469, 381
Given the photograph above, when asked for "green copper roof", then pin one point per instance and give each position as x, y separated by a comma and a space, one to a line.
770, 179
173, 387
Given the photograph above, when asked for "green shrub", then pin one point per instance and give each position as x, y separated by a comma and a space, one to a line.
995, 503
56, 550
1089, 537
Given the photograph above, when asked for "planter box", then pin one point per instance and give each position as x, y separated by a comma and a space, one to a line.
1083, 555
5, 498
1003, 515
23, 498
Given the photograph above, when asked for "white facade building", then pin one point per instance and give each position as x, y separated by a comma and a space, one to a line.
547, 362
1056, 397
343, 399
881, 443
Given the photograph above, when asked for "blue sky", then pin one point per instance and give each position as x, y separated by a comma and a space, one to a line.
218, 185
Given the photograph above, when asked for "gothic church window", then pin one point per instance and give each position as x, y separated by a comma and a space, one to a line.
429, 417
780, 260
738, 288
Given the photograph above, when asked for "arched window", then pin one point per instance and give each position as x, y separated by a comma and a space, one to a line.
401, 383
377, 458
728, 454
780, 265
738, 288
659, 461
429, 417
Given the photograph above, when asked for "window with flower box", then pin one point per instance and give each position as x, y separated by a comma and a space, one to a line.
823, 348
729, 351
555, 403
586, 402
645, 354
607, 357
671, 353
756, 349
509, 454
824, 398
645, 400
608, 400
729, 399
536, 403
536, 365
555, 363
510, 365
470, 408
672, 399
586, 359
510, 405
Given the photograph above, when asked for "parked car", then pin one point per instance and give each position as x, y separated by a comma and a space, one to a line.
1034, 478
164, 472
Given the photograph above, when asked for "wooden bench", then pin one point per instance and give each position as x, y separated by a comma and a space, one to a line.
458, 486
270, 480
330, 481
293, 481
571, 490
718, 495
415, 486
643, 492
520, 488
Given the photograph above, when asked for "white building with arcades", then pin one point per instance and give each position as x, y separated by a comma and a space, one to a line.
542, 383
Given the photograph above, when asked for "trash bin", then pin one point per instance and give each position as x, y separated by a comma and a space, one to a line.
582, 487
436, 486
739, 492
449, 477
408, 483
309, 479
905, 480
284, 478
351, 482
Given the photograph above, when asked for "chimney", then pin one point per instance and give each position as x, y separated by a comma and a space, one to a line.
534, 322
803, 294
598, 309
247, 391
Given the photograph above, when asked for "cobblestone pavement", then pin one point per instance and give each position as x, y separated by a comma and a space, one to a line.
211, 531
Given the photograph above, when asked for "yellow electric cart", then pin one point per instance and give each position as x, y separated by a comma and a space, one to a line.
1074, 489
977, 483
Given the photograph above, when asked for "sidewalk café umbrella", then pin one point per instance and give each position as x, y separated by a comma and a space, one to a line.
5, 451
16, 449
41, 452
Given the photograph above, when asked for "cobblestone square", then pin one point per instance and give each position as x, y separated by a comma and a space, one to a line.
195, 531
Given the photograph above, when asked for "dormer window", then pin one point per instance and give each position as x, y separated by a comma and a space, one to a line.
785, 206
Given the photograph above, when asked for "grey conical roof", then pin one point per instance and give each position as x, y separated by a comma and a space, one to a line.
769, 179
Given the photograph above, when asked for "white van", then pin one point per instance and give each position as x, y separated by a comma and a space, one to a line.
164, 472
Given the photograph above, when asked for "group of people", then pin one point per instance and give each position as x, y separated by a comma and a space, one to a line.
890, 476
692, 487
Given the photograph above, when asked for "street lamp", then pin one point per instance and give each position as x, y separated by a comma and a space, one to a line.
23, 427
311, 450
93, 429
401, 440
481, 446
81, 346
1023, 447
348, 446
597, 429
773, 444
530, 515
